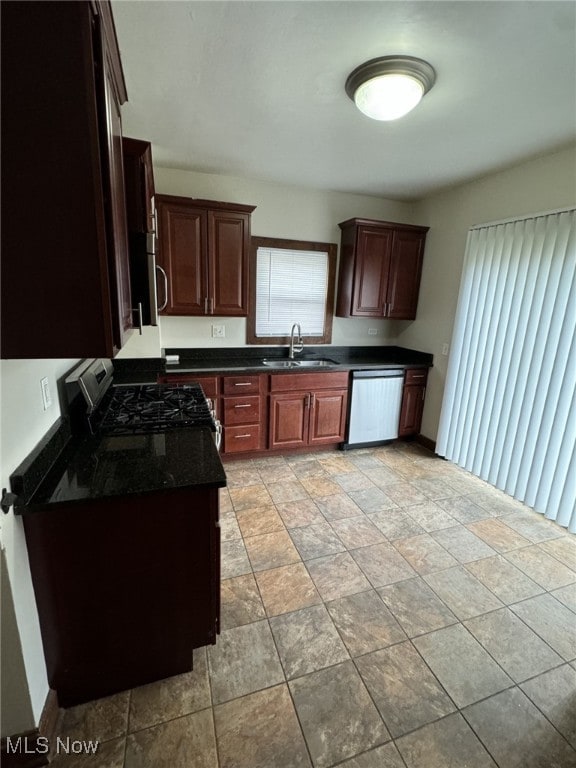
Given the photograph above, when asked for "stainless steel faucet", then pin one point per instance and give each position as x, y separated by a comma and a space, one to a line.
297, 346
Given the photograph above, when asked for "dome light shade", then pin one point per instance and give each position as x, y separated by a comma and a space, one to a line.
389, 87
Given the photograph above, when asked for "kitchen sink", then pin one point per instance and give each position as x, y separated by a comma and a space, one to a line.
280, 363
316, 363
299, 363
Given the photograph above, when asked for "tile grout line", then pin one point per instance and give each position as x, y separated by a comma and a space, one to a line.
417, 575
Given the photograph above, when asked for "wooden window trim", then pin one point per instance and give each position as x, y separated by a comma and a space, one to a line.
293, 245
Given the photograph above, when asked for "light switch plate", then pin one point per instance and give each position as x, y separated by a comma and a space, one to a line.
218, 331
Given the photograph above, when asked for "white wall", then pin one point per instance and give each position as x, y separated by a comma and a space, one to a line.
23, 422
283, 212
543, 184
17, 716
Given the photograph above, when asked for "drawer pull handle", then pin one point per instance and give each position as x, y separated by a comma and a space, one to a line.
243, 384
244, 405
238, 437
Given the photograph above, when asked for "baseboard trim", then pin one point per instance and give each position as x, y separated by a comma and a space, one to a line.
426, 442
33, 749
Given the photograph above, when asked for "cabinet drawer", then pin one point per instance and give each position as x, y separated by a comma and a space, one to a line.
209, 384
416, 375
308, 382
241, 410
239, 439
240, 385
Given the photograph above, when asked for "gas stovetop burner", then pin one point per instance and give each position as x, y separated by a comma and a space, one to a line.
152, 408
99, 406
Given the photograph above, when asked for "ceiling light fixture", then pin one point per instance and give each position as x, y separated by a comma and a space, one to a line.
389, 87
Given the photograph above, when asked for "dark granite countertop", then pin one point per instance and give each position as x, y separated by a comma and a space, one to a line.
245, 359
101, 467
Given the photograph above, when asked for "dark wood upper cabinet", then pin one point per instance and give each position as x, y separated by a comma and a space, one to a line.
114, 194
65, 274
139, 184
181, 254
204, 248
141, 224
380, 269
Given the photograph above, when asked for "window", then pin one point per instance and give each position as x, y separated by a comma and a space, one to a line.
291, 282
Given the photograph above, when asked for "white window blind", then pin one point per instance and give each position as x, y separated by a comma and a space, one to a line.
509, 408
291, 287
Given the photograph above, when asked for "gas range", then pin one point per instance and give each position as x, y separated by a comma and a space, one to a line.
101, 407
139, 409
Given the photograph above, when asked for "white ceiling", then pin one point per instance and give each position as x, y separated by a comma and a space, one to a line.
256, 89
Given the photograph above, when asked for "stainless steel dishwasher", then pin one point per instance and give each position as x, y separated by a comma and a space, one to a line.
374, 407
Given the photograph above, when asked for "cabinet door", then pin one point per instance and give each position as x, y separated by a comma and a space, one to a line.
114, 197
289, 420
328, 416
58, 294
405, 272
228, 248
373, 248
139, 185
182, 240
411, 411
124, 587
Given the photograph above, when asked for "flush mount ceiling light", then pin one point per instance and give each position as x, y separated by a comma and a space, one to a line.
389, 87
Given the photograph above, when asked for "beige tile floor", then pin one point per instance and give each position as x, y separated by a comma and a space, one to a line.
380, 609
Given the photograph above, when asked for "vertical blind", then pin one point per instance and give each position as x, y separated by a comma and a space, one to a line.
291, 287
509, 408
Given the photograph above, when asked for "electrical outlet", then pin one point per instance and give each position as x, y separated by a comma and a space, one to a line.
372, 331
218, 331
445, 348
46, 396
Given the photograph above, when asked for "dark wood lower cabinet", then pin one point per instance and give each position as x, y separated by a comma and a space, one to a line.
301, 410
328, 417
125, 588
412, 402
307, 418
244, 413
289, 420
307, 409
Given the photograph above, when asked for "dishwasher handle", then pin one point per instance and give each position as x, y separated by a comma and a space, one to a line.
382, 373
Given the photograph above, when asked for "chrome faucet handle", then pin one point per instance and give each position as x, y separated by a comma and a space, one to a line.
299, 345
